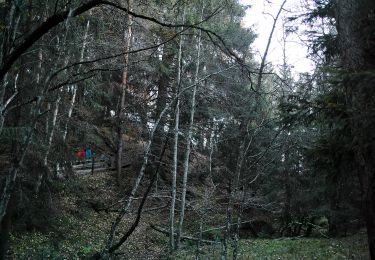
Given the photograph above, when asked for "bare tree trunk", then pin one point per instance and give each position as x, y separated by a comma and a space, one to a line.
264, 58
199, 242
74, 87
188, 144
234, 184
232, 192
49, 140
5, 228
4, 105
238, 225
211, 146
355, 24
140, 207
174, 175
127, 205
9, 36
224, 250
162, 98
172, 244
121, 110
18, 161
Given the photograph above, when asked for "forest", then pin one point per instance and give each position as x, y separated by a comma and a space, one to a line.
153, 129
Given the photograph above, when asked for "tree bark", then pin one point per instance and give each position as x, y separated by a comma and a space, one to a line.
188, 143
355, 25
124, 86
163, 84
6, 224
238, 224
140, 207
174, 176
5, 104
10, 179
74, 87
172, 244
126, 206
49, 144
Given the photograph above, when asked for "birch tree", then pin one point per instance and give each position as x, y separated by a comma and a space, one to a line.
172, 244
74, 87
188, 141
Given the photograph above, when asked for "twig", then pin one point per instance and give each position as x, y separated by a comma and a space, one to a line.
166, 232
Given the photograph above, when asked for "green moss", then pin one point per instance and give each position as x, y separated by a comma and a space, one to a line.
354, 247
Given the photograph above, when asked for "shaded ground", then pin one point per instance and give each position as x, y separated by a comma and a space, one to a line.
352, 247
81, 228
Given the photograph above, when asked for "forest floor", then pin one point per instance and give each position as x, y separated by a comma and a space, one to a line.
79, 228
351, 247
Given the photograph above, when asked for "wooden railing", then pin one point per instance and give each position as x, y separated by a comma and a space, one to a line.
90, 165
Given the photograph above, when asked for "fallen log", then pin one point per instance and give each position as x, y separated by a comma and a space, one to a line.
166, 232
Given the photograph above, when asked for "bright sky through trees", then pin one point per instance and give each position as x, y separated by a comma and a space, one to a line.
259, 17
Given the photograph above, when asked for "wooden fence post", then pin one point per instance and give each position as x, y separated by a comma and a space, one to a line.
92, 164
